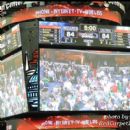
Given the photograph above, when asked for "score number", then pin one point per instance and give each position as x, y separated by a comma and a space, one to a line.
105, 35
70, 34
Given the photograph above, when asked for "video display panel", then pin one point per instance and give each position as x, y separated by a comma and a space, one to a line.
71, 34
77, 80
10, 40
12, 87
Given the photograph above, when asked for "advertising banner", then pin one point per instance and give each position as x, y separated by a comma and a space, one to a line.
60, 10
66, 122
29, 34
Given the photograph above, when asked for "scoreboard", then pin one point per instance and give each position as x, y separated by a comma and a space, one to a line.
29, 35
84, 34
10, 40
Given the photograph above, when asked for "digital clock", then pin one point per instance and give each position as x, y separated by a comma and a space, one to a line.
89, 28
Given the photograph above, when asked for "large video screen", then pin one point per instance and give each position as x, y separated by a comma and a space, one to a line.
77, 80
10, 40
13, 99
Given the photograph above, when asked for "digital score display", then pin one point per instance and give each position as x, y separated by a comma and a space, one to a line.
52, 32
10, 40
84, 34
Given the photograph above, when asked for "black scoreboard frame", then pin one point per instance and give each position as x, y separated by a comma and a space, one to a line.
33, 32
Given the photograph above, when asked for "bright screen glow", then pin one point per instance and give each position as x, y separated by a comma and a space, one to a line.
13, 99
84, 80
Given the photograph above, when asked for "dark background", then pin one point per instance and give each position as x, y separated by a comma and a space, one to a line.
126, 17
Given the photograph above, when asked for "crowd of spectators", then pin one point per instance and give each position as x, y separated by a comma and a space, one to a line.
75, 86
12, 88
